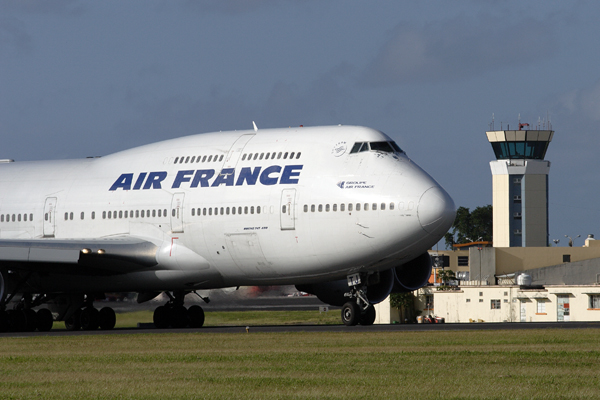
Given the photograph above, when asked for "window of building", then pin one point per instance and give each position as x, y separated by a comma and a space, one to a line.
495, 304
468, 300
463, 261
429, 302
541, 306
566, 258
595, 301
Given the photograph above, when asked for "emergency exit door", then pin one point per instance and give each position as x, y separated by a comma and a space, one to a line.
49, 223
287, 210
177, 212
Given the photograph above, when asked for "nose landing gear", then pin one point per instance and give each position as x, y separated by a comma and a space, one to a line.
358, 310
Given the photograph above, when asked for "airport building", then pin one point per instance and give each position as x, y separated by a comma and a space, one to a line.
518, 277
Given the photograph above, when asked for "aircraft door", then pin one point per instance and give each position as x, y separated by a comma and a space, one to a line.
49, 217
177, 212
288, 209
236, 151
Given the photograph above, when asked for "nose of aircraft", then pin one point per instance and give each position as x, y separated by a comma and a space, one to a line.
436, 211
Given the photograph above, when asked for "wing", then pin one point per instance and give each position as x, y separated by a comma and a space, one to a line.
103, 256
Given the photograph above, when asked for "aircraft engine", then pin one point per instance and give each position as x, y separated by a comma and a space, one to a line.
412, 275
378, 288
404, 278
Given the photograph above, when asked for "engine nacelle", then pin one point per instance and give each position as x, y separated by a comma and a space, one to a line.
379, 287
413, 274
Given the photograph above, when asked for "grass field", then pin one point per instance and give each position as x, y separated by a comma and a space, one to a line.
530, 364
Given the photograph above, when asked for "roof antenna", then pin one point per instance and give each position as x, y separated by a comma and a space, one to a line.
255, 127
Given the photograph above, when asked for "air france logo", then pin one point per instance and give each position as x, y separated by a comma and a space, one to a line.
273, 175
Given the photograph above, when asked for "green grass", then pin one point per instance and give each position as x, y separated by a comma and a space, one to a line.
532, 364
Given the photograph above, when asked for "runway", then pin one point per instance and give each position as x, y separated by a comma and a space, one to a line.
279, 303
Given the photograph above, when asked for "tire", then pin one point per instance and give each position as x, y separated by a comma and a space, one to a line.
73, 323
179, 317
89, 319
45, 320
195, 316
350, 313
107, 318
17, 320
31, 318
368, 316
161, 317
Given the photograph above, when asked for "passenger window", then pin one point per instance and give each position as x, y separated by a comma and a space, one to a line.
82, 215
283, 209
187, 159
221, 158
192, 160
71, 216
279, 155
222, 211
165, 212
239, 209
382, 206
255, 156
246, 210
204, 211
193, 212
357, 206
252, 210
103, 215
285, 155
109, 214
349, 206
45, 217
204, 159
2, 218
342, 207
243, 157
261, 156
19, 218
159, 213
291, 155
31, 217
13, 218
366, 207
312, 208
93, 214
209, 158
306, 208
335, 207
374, 207
24, 217
137, 213
120, 214
227, 210
209, 210
258, 209
176, 159
320, 207
327, 207
233, 210
249, 156
391, 206
267, 156
273, 155
298, 155
66, 216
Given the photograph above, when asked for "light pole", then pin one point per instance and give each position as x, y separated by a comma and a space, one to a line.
571, 239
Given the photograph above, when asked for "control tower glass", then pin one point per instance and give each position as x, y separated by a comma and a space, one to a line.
530, 145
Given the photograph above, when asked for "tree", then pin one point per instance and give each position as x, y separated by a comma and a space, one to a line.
470, 226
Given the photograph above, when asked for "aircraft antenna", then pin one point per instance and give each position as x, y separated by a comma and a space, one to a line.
255, 127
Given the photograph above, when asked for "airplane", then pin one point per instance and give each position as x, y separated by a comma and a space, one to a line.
339, 211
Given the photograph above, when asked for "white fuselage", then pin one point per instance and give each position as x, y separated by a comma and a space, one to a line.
279, 206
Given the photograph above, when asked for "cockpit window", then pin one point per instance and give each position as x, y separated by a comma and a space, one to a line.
387, 147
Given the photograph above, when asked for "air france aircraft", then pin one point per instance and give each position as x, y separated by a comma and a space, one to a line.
339, 211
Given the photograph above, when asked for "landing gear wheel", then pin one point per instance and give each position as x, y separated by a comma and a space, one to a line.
73, 323
107, 318
45, 320
17, 320
179, 317
195, 316
368, 316
31, 317
161, 317
350, 313
89, 319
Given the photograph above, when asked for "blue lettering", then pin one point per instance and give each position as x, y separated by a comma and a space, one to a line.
123, 182
202, 176
265, 179
226, 177
139, 181
246, 174
182, 176
289, 172
154, 179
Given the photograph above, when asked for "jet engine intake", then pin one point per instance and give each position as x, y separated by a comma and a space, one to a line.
413, 274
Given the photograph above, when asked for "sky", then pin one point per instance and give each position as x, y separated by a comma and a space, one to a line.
83, 78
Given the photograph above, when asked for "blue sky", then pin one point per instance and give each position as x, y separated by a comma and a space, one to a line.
80, 78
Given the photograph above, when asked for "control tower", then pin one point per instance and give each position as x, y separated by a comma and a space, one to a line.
520, 187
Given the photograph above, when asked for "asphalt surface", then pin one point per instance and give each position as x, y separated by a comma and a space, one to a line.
239, 303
